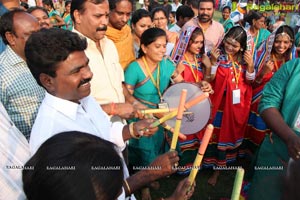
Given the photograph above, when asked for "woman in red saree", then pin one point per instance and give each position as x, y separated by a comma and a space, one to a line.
232, 74
272, 53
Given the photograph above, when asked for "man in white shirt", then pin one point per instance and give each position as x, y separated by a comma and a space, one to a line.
175, 5
14, 150
66, 76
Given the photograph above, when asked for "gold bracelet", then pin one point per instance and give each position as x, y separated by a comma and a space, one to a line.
127, 187
131, 131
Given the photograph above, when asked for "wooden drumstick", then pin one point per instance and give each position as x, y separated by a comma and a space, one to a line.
153, 111
188, 105
200, 154
164, 118
178, 119
196, 100
160, 110
169, 128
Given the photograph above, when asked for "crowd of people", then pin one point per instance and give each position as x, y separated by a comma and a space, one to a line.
76, 75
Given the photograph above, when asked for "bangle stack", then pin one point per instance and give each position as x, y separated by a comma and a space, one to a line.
250, 76
131, 131
214, 69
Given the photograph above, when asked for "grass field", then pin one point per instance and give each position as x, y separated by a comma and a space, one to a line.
203, 191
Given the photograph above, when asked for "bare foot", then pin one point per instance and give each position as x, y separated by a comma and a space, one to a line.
214, 178
146, 194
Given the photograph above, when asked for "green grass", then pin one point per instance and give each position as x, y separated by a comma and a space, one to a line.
203, 190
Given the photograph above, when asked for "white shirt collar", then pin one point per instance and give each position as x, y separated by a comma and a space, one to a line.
60, 105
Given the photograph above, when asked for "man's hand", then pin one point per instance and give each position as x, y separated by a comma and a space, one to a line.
183, 191
124, 110
142, 128
165, 164
162, 166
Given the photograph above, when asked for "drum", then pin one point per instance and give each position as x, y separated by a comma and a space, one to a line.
196, 117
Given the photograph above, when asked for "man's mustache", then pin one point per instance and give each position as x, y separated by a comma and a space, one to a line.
204, 15
84, 81
103, 28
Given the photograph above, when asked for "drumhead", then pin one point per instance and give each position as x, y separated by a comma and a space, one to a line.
200, 113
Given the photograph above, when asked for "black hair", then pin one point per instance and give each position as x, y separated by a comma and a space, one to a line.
34, 8
253, 15
193, 3
205, 1
73, 166
184, 11
226, 7
40, 54
7, 23
150, 35
173, 13
113, 3
79, 5
239, 34
25, 5
286, 29
68, 2
198, 31
158, 9
48, 3
139, 14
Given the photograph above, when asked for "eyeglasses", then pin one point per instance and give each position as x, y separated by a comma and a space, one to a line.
159, 19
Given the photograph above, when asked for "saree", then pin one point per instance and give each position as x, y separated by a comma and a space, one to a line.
124, 43
227, 24
261, 36
256, 128
144, 150
229, 119
52, 13
68, 22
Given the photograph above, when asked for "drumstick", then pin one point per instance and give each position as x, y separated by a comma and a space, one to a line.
237, 186
200, 154
198, 99
188, 105
164, 118
169, 128
178, 119
160, 110
152, 111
